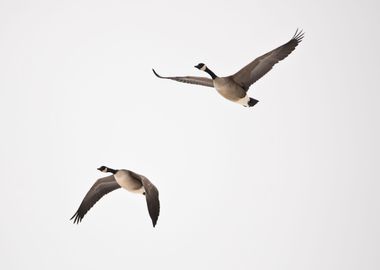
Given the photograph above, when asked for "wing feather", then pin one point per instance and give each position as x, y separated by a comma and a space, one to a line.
189, 79
261, 65
152, 200
101, 187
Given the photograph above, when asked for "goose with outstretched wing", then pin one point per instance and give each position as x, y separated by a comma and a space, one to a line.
235, 87
126, 179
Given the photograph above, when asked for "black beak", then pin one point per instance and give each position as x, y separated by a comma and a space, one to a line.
99, 169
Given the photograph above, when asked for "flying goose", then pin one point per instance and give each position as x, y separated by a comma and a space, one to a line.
235, 87
129, 180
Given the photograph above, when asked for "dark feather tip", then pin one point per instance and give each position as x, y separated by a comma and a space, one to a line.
298, 36
155, 73
76, 218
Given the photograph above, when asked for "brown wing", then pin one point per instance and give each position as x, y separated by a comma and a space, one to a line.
189, 79
261, 65
101, 187
152, 200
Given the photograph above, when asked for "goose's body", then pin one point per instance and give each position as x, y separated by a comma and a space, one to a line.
229, 89
126, 179
235, 87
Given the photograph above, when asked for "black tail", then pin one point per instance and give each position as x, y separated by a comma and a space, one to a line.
252, 102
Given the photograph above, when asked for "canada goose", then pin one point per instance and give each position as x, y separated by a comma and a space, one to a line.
129, 180
235, 87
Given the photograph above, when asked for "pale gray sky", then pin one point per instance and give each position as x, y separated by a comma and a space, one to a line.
292, 183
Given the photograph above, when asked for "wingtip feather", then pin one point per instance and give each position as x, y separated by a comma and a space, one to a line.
155, 73
299, 35
76, 218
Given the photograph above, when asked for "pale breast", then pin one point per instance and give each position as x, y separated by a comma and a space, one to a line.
229, 89
125, 180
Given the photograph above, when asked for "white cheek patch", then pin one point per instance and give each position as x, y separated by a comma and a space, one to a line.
204, 68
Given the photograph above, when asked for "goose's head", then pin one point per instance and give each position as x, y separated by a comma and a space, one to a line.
201, 66
103, 169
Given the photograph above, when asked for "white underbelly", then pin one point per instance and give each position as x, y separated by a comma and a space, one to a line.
243, 101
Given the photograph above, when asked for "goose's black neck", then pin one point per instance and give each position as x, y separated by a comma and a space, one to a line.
212, 74
111, 170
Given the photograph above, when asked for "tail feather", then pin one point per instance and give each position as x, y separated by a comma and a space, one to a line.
252, 102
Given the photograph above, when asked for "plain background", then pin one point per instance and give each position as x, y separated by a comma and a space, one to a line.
292, 183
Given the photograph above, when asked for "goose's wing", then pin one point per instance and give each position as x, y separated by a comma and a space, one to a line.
261, 65
101, 187
189, 79
152, 200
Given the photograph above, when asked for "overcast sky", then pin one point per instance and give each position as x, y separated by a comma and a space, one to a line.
292, 183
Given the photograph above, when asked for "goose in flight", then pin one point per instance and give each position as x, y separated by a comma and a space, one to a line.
235, 87
129, 180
